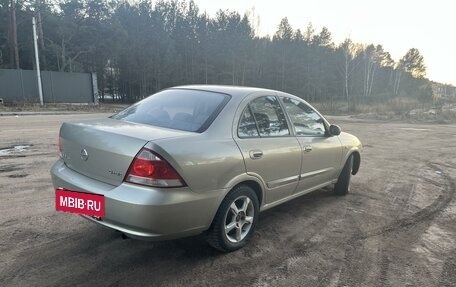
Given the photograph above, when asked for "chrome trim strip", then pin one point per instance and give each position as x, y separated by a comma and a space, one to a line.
282, 181
316, 172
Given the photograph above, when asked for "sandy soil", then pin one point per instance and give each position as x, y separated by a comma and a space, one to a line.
396, 228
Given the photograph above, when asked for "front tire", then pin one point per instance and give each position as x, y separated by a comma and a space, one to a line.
342, 186
235, 220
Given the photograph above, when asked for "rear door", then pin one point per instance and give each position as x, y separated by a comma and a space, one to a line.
270, 151
321, 153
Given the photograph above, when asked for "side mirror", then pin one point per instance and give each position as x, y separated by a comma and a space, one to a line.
334, 130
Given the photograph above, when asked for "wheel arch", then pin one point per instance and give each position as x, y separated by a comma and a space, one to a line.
254, 181
356, 161
217, 235
256, 188
251, 181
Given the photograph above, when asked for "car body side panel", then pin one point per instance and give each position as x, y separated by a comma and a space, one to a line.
278, 167
320, 164
204, 163
350, 144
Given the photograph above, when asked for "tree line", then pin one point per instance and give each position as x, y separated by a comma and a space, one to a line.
142, 47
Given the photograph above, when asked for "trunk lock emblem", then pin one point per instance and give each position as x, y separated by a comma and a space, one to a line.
84, 155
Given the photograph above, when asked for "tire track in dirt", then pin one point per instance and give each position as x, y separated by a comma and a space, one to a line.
443, 164
426, 214
448, 274
270, 255
352, 244
285, 256
297, 255
352, 247
408, 225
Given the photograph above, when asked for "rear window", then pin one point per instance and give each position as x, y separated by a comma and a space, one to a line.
181, 109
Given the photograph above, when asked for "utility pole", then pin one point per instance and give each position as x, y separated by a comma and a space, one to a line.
14, 50
38, 72
40, 32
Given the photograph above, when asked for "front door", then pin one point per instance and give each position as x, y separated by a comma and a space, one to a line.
321, 153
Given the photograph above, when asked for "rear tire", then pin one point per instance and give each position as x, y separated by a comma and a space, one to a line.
342, 186
235, 220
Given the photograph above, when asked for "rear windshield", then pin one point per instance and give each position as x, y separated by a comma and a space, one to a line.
187, 110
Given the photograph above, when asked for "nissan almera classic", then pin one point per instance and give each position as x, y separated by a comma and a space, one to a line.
196, 159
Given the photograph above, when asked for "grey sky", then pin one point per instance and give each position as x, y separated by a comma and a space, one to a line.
398, 25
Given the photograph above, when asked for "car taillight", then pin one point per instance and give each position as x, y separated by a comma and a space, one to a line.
150, 169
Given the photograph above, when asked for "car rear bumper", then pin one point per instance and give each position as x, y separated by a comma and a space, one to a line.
143, 212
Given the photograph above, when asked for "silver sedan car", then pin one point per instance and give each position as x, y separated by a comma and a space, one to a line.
200, 158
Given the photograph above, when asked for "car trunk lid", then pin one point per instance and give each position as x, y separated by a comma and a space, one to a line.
104, 149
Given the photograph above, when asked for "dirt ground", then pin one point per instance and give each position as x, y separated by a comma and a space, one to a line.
396, 227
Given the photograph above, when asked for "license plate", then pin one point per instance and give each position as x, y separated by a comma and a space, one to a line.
79, 202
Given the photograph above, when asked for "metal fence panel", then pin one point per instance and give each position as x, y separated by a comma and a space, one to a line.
58, 87
71, 87
29, 86
48, 95
10, 85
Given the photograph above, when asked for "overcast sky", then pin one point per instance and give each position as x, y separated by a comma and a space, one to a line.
429, 26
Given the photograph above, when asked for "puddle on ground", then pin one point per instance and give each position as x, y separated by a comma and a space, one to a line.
14, 150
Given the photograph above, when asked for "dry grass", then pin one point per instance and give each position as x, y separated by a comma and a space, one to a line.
89, 108
403, 109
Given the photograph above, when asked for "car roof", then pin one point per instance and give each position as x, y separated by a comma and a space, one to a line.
234, 91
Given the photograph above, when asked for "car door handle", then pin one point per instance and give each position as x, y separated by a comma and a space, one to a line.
255, 154
308, 149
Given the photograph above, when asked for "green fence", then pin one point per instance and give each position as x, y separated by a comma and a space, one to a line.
21, 86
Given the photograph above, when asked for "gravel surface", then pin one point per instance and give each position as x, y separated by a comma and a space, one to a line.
396, 227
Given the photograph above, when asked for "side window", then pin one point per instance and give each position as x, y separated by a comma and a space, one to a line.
247, 126
305, 120
269, 116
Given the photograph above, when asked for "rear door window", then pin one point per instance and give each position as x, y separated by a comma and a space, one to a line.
247, 126
269, 117
181, 109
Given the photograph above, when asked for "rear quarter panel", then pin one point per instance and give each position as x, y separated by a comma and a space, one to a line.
205, 163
